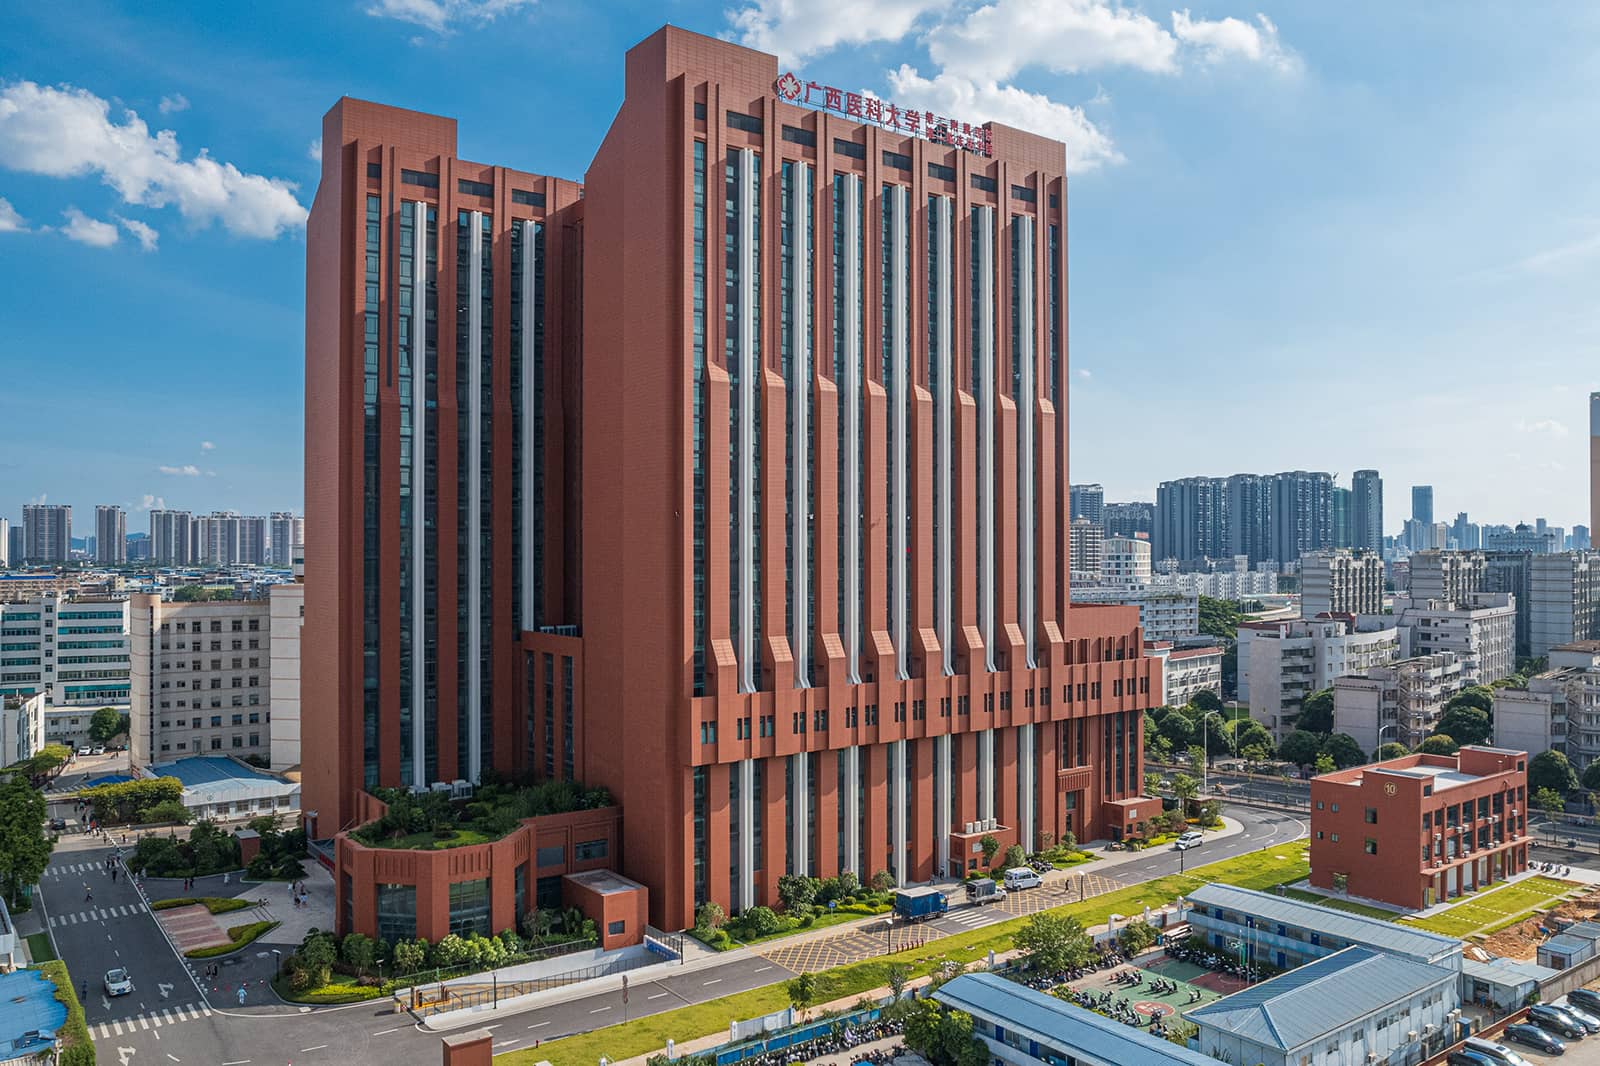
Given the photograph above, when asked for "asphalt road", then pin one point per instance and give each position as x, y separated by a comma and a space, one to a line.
212, 1033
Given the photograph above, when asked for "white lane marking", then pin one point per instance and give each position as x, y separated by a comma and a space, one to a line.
713, 981
236, 1062
173, 1057
508, 1043
156, 1019
763, 969
538, 1025
658, 995
316, 1047
104, 1032
381, 1032
117, 1025
205, 1009
142, 1023
52, 921
597, 1010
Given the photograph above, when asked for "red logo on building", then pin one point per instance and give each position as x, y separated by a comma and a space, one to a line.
788, 87
926, 124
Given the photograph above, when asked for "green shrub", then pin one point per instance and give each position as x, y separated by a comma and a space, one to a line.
76, 1047
238, 937
121, 802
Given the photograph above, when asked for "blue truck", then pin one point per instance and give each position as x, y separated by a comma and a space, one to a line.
920, 904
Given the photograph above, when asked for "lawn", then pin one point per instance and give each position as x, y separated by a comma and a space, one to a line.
39, 949
1262, 869
341, 988
1498, 908
427, 840
214, 904
238, 937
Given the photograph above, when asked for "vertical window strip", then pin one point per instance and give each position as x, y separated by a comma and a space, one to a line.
406, 344
370, 488
430, 503
700, 452
463, 436
1055, 321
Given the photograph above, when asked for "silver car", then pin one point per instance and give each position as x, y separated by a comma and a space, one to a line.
118, 983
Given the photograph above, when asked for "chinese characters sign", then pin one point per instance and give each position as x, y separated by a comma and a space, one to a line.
880, 113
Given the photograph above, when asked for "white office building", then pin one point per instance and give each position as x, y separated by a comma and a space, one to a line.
1400, 702
287, 609
200, 676
1125, 562
1086, 542
21, 727
1186, 672
1480, 629
75, 651
1283, 662
1564, 600
1239, 583
1559, 710
1340, 582
1165, 614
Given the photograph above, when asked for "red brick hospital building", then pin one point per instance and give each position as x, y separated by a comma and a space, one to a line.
733, 479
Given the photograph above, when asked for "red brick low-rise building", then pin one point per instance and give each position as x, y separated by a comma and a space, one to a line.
1421, 829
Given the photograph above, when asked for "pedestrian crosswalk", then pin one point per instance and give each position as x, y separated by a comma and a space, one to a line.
153, 1019
975, 917
74, 869
96, 914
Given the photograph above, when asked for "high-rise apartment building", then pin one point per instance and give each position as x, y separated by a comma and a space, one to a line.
1302, 514
1087, 501
1125, 561
1250, 517
1594, 461
823, 580
1422, 504
285, 530
16, 546
171, 537
1340, 582
1343, 517
75, 651
110, 535
1564, 600
1130, 519
1192, 520
1087, 548
47, 533
1366, 510
5, 542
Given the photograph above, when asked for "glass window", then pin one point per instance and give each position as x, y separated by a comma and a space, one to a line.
749, 123
616, 928
849, 148
796, 135
551, 856
942, 172
397, 912
420, 178
986, 184
532, 199
469, 907
590, 850
474, 188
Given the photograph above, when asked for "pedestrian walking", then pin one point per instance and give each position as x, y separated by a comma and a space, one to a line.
88, 893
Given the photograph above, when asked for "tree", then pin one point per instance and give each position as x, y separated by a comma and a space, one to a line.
1345, 751
1479, 696
1136, 936
1152, 783
1220, 618
1014, 856
1550, 802
1053, 943
46, 762
1206, 700
1300, 748
24, 848
105, 724
1198, 756
1217, 739
1391, 750
1591, 775
1316, 712
1465, 724
882, 881
1439, 744
899, 973
1247, 733
802, 992
359, 951
1324, 763
411, 955
943, 1037
710, 916
1177, 731
797, 890
990, 845
1550, 769
1254, 753
1185, 789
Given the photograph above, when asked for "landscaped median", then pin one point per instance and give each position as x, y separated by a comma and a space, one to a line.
238, 937
1262, 869
214, 904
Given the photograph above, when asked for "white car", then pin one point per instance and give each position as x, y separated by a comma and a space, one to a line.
1191, 839
85, 750
118, 983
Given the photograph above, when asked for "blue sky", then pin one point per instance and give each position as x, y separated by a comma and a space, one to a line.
1301, 236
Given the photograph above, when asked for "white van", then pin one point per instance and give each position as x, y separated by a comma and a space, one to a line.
1022, 877
1191, 839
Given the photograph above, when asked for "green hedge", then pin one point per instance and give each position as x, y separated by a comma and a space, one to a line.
238, 936
333, 992
76, 1047
214, 904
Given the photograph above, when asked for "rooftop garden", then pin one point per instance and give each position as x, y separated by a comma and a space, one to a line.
434, 821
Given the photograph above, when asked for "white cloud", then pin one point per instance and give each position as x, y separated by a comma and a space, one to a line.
188, 470
146, 234
997, 40
794, 30
85, 230
314, 150
66, 132
207, 446
43, 497
1220, 40
1088, 146
153, 503
1084, 373
171, 105
1543, 425
441, 16
10, 221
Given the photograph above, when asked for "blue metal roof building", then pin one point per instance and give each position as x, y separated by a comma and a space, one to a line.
1287, 932
1023, 1027
1357, 1005
29, 1014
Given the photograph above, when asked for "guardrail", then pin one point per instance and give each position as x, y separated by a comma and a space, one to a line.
424, 1000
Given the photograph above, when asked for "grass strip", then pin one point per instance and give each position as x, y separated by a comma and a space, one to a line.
1262, 870
39, 949
214, 904
76, 1047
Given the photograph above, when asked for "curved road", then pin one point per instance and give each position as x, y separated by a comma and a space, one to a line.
370, 1033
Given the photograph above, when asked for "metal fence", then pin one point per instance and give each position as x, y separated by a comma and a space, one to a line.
435, 998
732, 1053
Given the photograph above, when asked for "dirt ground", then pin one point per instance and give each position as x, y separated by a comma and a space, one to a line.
1522, 940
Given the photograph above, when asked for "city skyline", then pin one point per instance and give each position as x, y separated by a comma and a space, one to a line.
1287, 92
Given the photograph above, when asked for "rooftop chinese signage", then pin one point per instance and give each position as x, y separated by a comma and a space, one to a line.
870, 109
